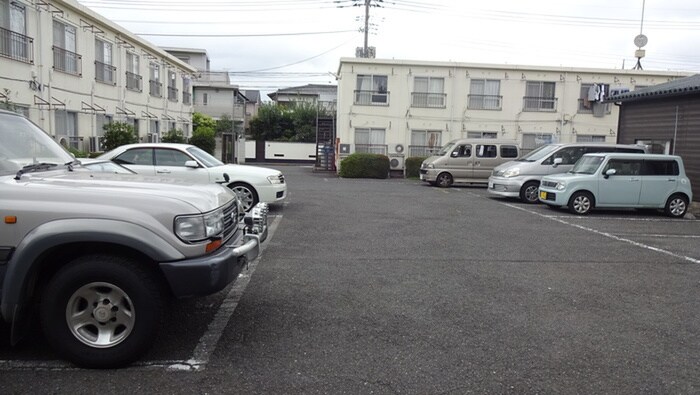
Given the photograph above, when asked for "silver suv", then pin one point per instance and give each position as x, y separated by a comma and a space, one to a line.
99, 253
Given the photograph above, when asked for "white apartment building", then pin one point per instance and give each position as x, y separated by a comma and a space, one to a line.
403, 108
72, 71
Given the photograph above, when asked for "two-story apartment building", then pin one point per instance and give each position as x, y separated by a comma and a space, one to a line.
72, 71
325, 96
407, 108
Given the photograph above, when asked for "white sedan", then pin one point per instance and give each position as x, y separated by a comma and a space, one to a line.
187, 162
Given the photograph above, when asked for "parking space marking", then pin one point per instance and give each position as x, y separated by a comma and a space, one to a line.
606, 234
205, 346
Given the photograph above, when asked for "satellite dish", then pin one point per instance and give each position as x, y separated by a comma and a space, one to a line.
640, 41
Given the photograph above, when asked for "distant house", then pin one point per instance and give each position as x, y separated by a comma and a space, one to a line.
667, 117
325, 95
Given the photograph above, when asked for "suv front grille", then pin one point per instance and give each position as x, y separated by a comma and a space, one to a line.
230, 219
549, 184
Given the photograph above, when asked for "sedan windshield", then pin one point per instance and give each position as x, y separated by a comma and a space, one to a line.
25, 145
204, 157
587, 165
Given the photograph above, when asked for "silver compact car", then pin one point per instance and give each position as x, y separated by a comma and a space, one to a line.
617, 180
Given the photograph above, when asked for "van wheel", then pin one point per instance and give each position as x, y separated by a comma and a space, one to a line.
581, 203
444, 180
676, 206
528, 193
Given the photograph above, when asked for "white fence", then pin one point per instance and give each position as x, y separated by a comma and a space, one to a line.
282, 151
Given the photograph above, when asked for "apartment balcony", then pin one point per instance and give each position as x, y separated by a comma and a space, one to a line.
422, 150
428, 100
67, 62
105, 73
16, 46
485, 102
539, 104
155, 88
172, 93
134, 82
371, 98
371, 148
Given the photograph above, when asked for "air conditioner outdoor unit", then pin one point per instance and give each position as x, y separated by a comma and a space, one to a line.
396, 162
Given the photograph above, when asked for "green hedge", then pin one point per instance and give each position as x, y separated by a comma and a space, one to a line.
361, 165
413, 166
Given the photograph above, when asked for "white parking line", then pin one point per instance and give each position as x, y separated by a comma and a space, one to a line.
206, 345
608, 235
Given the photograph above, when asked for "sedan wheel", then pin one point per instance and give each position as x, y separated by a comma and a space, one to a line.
246, 194
581, 203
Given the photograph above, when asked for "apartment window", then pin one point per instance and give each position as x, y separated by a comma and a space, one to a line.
425, 142
186, 90
104, 71
482, 135
134, 81
534, 140
65, 58
589, 138
370, 140
588, 102
13, 42
205, 99
153, 131
372, 90
485, 95
172, 83
539, 96
428, 92
102, 120
155, 86
67, 128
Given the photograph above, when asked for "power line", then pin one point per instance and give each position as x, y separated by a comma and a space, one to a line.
242, 35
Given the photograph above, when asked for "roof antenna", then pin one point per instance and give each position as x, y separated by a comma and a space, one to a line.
640, 41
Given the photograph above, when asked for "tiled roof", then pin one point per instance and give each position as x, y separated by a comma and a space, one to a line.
681, 86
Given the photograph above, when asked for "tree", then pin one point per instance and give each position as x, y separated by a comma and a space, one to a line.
204, 138
295, 123
267, 125
202, 120
118, 134
174, 136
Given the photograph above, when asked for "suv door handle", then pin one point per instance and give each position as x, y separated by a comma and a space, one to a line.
163, 171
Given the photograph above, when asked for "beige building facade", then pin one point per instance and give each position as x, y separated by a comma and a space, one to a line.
72, 71
404, 108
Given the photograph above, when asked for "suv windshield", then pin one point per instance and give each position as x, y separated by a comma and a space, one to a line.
587, 165
539, 153
24, 144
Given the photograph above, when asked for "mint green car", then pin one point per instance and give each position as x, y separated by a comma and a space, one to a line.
618, 180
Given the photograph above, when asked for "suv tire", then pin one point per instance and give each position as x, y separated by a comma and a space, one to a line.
102, 311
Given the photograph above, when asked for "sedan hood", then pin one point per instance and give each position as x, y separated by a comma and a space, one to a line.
245, 170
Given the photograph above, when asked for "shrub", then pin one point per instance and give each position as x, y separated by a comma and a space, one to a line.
77, 153
361, 165
413, 166
118, 134
174, 136
204, 138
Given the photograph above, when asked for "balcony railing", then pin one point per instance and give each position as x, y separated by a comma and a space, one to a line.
67, 61
422, 150
485, 102
105, 73
428, 100
172, 93
186, 98
539, 103
371, 148
371, 98
16, 46
155, 88
134, 82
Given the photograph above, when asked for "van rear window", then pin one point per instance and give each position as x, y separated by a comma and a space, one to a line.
509, 151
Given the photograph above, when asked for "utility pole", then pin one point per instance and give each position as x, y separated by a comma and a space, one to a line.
366, 50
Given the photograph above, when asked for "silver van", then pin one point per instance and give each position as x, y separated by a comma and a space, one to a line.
620, 181
466, 161
521, 178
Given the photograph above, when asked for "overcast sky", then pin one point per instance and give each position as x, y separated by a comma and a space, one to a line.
270, 44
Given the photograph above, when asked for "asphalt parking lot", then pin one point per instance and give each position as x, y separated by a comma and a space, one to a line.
392, 286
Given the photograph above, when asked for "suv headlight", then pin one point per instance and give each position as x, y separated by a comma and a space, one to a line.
560, 186
193, 228
512, 172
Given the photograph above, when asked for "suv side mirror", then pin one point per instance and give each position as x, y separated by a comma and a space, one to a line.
557, 161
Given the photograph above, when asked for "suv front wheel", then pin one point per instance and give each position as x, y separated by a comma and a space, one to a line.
101, 311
